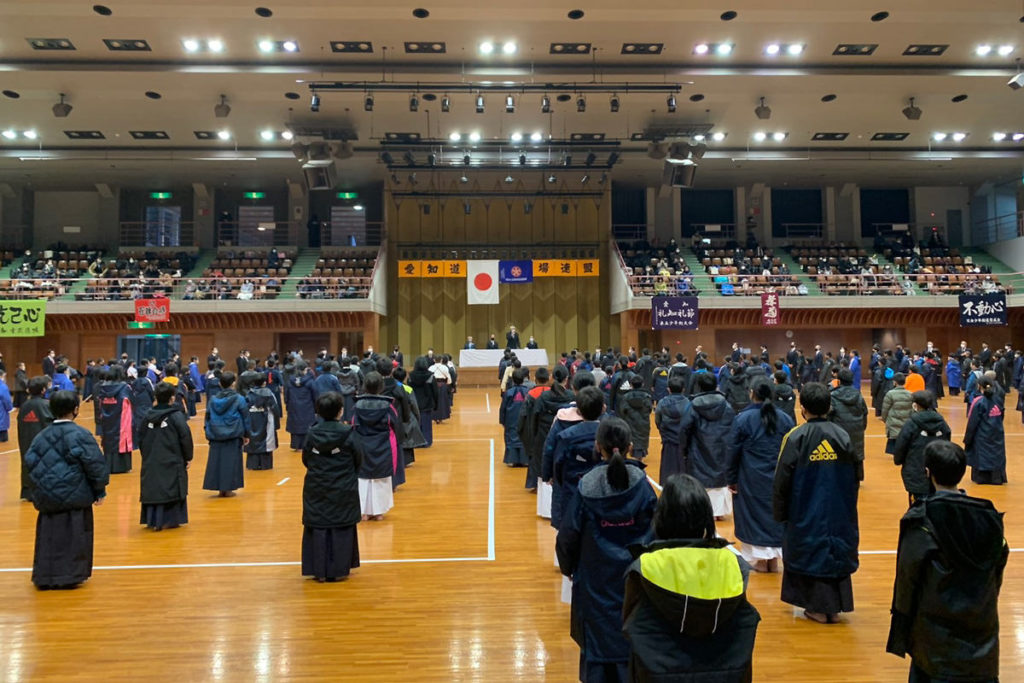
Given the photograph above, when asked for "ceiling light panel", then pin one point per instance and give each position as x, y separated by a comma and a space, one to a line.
84, 135
271, 46
149, 135
587, 137
571, 48
831, 137
642, 48
352, 46
435, 48
717, 49
925, 50
855, 49
889, 137
402, 137
50, 43
205, 134
126, 45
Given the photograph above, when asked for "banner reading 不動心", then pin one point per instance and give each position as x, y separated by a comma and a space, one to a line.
23, 318
977, 310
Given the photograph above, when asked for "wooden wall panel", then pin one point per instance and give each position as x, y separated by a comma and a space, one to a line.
454, 314
506, 221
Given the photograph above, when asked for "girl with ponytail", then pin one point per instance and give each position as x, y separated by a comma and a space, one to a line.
753, 450
612, 511
985, 441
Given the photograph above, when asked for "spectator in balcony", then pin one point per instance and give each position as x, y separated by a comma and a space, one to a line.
190, 291
246, 291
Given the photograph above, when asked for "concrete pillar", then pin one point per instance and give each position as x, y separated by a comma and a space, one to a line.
203, 216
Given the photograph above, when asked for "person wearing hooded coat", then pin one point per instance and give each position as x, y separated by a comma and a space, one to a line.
703, 439
165, 441
923, 426
264, 416
685, 609
736, 388
783, 395
142, 400
754, 444
612, 511
332, 455
882, 382
412, 436
298, 398
896, 410
984, 439
350, 382
114, 406
227, 427
544, 410
850, 412
424, 391
949, 569
635, 408
508, 417
815, 495
33, 417
326, 381
376, 422
69, 475
571, 445
667, 417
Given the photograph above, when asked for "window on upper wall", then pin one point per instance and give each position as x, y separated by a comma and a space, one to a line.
163, 226
256, 226
880, 210
348, 227
702, 208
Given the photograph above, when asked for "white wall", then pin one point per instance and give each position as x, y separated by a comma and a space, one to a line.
929, 206
97, 218
1010, 252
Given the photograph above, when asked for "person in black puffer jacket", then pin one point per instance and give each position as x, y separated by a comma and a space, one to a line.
921, 428
703, 439
737, 387
783, 395
635, 408
850, 411
69, 475
332, 455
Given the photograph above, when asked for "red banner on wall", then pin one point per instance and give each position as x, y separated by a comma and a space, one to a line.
769, 309
152, 310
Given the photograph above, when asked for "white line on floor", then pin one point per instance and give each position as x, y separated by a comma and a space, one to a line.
283, 481
490, 510
488, 397
219, 565
8, 452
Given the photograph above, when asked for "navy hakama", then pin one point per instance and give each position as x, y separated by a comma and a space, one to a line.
444, 405
427, 426
63, 550
224, 467
329, 554
159, 516
817, 594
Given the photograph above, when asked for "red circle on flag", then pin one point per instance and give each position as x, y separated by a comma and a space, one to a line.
482, 281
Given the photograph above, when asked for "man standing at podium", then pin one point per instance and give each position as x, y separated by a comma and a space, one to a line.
512, 338
532, 344
470, 344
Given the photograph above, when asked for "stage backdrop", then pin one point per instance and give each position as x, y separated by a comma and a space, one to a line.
561, 312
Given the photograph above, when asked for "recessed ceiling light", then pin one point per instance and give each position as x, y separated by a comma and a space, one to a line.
420, 13
126, 45
925, 50
9, 134
50, 44
723, 48
455, 137
772, 49
536, 137
855, 49
486, 47
959, 98
718, 137
264, 12
998, 137
1005, 50
778, 137
760, 136
575, 14
939, 137
30, 134
215, 45
266, 45
474, 137
190, 45
642, 48
102, 10
13, 94
287, 135
983, 50
959, 137
363, 46
516, 137
728, 15
795, 49
699, 137
831, 97
267, 135
1017, 137
879, 16
700, 49
290, 46
889, 137
509, 48
224, 135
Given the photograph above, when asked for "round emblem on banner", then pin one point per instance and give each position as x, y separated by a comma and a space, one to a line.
517, 271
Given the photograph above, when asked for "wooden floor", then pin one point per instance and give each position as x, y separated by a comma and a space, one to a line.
443, 594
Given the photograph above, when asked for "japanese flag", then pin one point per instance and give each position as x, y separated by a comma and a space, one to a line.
482, 282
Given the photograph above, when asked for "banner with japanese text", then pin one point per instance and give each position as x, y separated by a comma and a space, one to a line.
510, 272
674, 313
554, 268
515, 272
152, 310
23, 318
769, 309
978, 310
410, 269
588, 267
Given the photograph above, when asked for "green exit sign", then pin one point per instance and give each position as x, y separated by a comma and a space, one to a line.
132, 325
160, 195
348, 195
255, 195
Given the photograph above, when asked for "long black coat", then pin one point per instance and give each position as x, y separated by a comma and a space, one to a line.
298, 397
166, 444
424, 389
984, 440
332, 455
918, 431
850, 412
949, 568
704, 436
376, 422
635, 409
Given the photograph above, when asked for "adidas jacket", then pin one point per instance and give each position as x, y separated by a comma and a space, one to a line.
815, 493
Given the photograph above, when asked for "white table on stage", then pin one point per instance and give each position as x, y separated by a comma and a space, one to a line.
490, 358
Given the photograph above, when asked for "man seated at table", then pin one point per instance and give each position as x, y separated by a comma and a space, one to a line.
470, 344
492, 343
532, 344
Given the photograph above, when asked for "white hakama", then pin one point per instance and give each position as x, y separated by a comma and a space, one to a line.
376, 496
543, 500
721, 501
757, 553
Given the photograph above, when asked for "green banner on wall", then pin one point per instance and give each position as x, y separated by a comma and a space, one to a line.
22, 318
